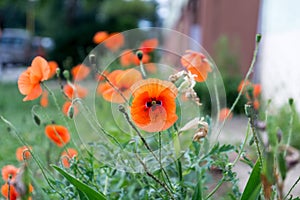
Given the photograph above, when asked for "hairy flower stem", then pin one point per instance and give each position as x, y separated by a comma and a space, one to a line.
250, 112
113, 86
122, 110
154, 178
250, 70
16, 132
216, 188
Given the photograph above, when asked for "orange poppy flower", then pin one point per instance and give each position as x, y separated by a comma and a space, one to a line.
73, 91
99, 77
151, 68
57, 134
9, 170
153, 106
80, 72
256, 90
247, 83
53, 66
224, 113
126, 58
66, 108
114, 42
197, 64
122, 80
256, 104
149, 45
44, 99
29, 81
100, 37
23, 152
67, 155
12, 192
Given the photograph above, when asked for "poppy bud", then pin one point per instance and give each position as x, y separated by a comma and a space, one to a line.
291, 101
92, 59
258, 38
36, 119
139, 54
57, 72
71, 111
66, 74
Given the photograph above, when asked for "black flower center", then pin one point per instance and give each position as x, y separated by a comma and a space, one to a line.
153, 102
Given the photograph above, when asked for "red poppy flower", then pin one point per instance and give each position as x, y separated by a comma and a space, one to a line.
57, 134
151, 68
23, 152
44, 99
73, 91
256, 104
224, 113
128, 58
12, 192
247, 84
29, 81
122, 80
80, 72
100, 37
197, 64
66, 107
153, 106
256, 90
53, 66
149, 45
67, 155
9, 170
114, 42
99, 77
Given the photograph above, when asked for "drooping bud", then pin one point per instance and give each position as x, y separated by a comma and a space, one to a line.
71, 111
139, 54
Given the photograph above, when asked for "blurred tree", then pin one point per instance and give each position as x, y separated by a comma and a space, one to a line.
72, 23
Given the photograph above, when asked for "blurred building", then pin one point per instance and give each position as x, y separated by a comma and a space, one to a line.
208, 20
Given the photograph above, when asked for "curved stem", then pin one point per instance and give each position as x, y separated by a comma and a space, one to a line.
250, 70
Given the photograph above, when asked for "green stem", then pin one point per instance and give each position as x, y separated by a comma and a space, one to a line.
243, 146
290, 130
31, 152
215, 189
294, 185
250, 70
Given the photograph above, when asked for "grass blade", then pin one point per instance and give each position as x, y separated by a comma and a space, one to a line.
89, 192
253, 186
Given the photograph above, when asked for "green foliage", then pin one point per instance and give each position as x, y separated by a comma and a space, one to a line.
253, 185
85, 191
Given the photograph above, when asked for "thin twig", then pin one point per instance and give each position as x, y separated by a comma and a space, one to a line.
294, 185
122, 110
154, 178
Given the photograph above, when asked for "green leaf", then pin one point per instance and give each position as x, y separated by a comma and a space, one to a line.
198, 190
89, 192
282, 165
253, 185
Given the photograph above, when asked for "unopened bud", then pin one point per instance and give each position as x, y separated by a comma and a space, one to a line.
36, 119
58, 72
71, 111
258, 38
139, 54
66, 74
92, 59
